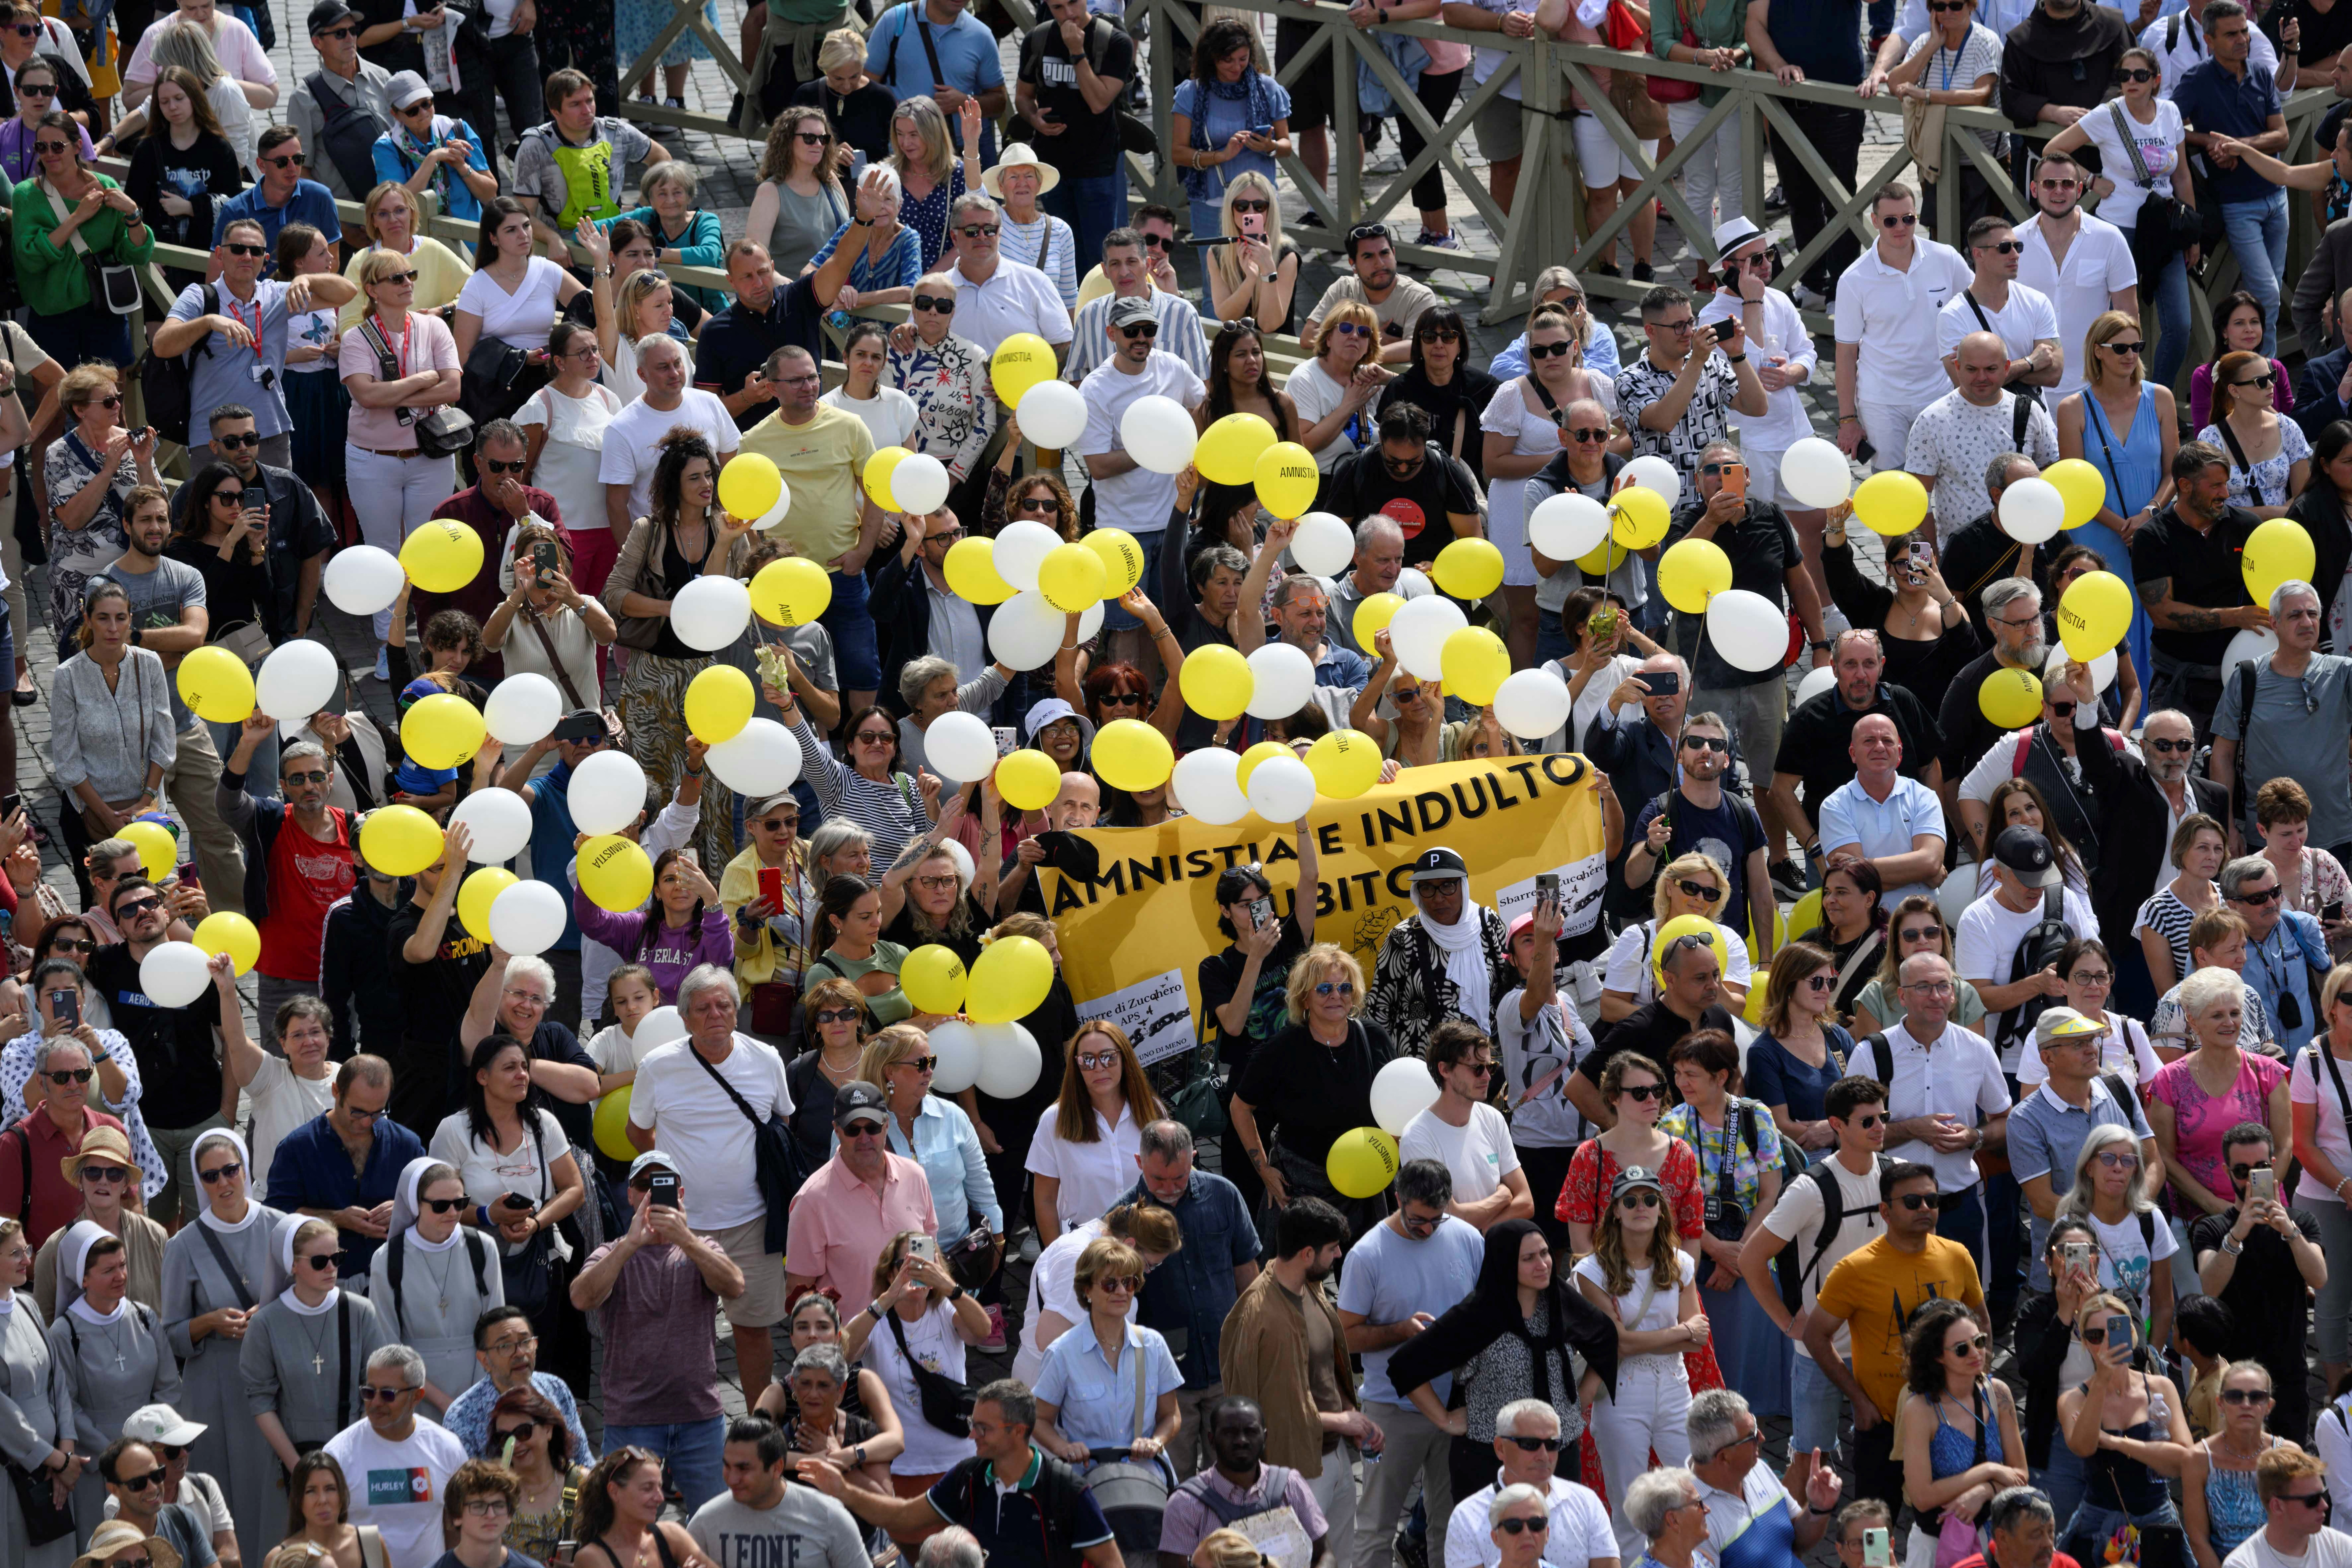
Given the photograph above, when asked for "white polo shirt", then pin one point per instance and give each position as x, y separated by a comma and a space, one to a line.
1850, 816
1891, 313
2189, 49
1012, 299
1580, 1529
1958, 1078
2024, 319
2098, 263
1137, 501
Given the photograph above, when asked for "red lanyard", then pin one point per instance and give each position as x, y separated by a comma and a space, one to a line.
229, 302
406, 325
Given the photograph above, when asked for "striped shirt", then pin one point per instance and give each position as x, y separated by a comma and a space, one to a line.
891, 814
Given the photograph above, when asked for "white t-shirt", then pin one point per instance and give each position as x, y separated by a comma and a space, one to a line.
1665, 1309
2125, 1256
2331, 1548
633, 443
2026, 317
2126, 1050
931, 1339
1478, 1154
1984, 945
1093, 1176
2304, 1087
2156, 148
490, 1176
889, 415
1798, 1214
525, 318
1786, 343
699, 1126
1137, 501
398, 1486
281, 1102
1316, 394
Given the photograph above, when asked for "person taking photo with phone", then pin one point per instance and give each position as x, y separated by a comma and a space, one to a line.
2262, 1259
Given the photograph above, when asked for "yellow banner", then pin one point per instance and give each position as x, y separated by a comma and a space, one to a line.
1133, 935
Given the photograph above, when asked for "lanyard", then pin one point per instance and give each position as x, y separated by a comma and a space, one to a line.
407, 325
228, 302
2261, 950
1950, 65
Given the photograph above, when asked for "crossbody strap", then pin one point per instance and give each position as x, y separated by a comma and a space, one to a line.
343, 1360
2238, 456
2140, 176
719, 1078
563, 676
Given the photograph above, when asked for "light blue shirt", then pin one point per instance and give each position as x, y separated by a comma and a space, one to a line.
226, 373
2279, 967
1390, 1276
1882, 828
967, 53
948, 1149
1599, 353
1095, 1399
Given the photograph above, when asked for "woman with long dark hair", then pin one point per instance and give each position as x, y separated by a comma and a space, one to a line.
2325, 509
849, 946
1854, 928
529, 1436
1923, 630
178, 173
1955, 1427
513, 296
1215, 129
1238, 384
62, 240
2238, 328
1443, 381
1090, 1138
800, 203
318, 1526
2269, 459
225, 537
683, 924
519, 1176
619, 1517
2020, 803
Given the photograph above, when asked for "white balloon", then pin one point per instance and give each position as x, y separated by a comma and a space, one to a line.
297, 680
1418, 633
362, 579
1156, 433
1053, 414
1026, 631
919, 484
499, 821
759, 760
662, 1026
709, 613
955, 1042
1533, 703
523, 709
1953, 898
607, 793
1568, 525
1285, 681
2248, 644
1654, 473
1090, 620
1009, 1060
960, 748
1401, 1091
2102, 671
174, 974
1814, 473
2031, 511
1281, 790
1021, 548
1816, 681
528, 918
1413, 583
1749, 630
1323, 544
1204, 786
775, 514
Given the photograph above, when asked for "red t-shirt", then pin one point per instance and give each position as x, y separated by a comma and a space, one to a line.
306, 875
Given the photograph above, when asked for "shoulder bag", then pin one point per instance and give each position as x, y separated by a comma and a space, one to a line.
563, 676
640, 632
44, 1518
441, 433
777, 1165
2166, 225
113, 285
947, 1404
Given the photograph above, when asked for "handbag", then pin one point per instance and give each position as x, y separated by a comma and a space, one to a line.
1672, 89
440, 433
947, 1404
639, 632
2166, 224
44, 1518
112, 285
246, 639
971, 1261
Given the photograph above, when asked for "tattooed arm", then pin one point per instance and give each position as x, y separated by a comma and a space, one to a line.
2156, 597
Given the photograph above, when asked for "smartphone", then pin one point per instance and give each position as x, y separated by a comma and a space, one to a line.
1008, 740
1660, 682
542, 556
2076, 1254
1874, 1550
2119, 1331
1863, 451
2261, 1187
1261, 130
772, 885
924, 1246
66, 1007
515, 1201
1735, 479
664, 1188
1262, 910
1253, 224
11, 804
565, 1551
577, 728
1724, 329
2327, 912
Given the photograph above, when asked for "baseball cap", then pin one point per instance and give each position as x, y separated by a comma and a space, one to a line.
404, 89
766, 804
1633, 1176
1130, 311
2027, 854
1438, 865
161, 1423
858, 1100
326, 14
2059, 1024
652, 1159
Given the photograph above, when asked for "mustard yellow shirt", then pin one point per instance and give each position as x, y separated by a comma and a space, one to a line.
821, 461
441, 275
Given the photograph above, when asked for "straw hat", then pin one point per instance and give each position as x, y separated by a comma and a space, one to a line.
1017, 155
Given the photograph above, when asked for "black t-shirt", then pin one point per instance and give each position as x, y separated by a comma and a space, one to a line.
1461, 402
1728, 833
1314, 1090
1814, 740
234, 589
1980, 554
2319, 41
1762, 547
1088, 147
435, 993
1362, 485
1966, 733
555, 1043
1220, 975
966, 947
738, 340
403, 52
172, 1046
2204, 569
2265, 1275
203, 173
862, 118
1651, 1030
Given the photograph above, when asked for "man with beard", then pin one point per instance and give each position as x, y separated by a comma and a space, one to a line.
1240, 1485
2059, 62
1697, 814
2144, 797
289, 879
2185, 564
2102, 276
1449, 958
2013, 615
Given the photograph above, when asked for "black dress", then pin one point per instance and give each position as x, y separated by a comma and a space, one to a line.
1924, 669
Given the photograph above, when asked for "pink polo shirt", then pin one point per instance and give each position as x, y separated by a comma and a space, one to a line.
840, 1225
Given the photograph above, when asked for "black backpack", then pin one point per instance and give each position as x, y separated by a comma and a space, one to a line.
349, 132
168, 385
2036, 951
478, 1253
1793, 1275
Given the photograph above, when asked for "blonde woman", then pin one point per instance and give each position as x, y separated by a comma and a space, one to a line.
1559, 286
2134, 1244
1256, 277
1314, 1081
800, 203
1134, 1412
933, 1132
2269, 459
2124, 423
395, 486
1691, 884
1335, 391
91, 470
2132, 1423
1639, 1278
856, 106
643, 307
395, 224
931, 177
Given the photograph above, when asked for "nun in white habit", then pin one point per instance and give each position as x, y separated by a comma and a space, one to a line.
114, 1350
434, 1277
216, 1274
36, 1413
306, 1350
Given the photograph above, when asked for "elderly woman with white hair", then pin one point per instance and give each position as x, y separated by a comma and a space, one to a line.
946, 373
435, 1277
954, 1547
890, 260
114, 1352
1666, 1507
688, 236
2192, 1103
2110, 1193
930, 689
1519, 1520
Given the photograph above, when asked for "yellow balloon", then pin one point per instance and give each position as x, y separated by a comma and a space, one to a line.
1474, 663
1692, 572
1011, 980
615, 873
1362, 1162
1683, 926
970, 569
718, 704
1468, 568
613, 1124
478, 893
1603, 559
400, 840
2082, 486
749, 485
1255, 755
442, 731
933, 979
1638, 517
159, 852
442, 556
215, 683
2093, 614
1028, 779
222, 932
1804, 916
2011, 698
1286, 478
1230, 448
1071, 577
1122, 559
1754, 1008
1373, 617
1891, 501
793, 592
1020, 361
1130, 755
1217, 681
877, 476
1345, 763
2277, 552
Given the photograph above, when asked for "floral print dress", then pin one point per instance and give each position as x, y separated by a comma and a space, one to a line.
76, 555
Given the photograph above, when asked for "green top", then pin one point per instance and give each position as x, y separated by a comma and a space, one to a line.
1886, 1005
889, 1007
53, 278
1718, 24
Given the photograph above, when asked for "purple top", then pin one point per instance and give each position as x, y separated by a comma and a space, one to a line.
2200, 392
651, 1381
666, 950
16, 150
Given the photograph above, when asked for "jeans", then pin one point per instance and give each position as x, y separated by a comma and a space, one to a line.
2257, 232
2336, 1295
852, 627
1816, 1406
1411, 1450
1092, 206
2061, 1480
1651, 1411
2171, 293
261, 772
689, 1450
1963, 1220
394, 496
1713, 171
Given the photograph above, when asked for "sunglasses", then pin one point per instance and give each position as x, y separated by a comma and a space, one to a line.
1721, 468
837, 1016
170, 1453
136, 908
72, 1074
1546, 351
2064, 710
1977, 1344
1641, 1199
340, 33
1155, 242
920, 1064
251, 438
1251, 205
2264, 381
308, 776
292, 160
778, 823
1134, 330
52, 148
1335, 988
1524, 1526
229, 495
424, 106
2128, 350
1438, 335
1921, 933
978, 230
2241, 1172
27, 30
501, 466
521, 1434
2259, 897
2003, 247
111, 400
72, 944
1480, 1069
1820, 982
1039, 504
1120, 700
813, 138
219, 1173
876, 737
2170, 747
105, 1172
2058, 184
1401, 465
1898, 220
381, 1396
1643, 1091
1869, 1119
1707, 743
1125, 1284
2253, 1396
1588, 437
1699, 890
1534, 1445
2138, 73
1351, 329
397, 278
860, 1130
1914, 1201
361, 1114
140, 1483
33, 90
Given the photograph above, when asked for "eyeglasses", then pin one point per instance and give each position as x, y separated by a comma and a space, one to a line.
1898, 220
501, 466
1640, 1198
1914, 1201
2129, 351
1336, 988
521, 1434
105, 1172
291, 159
140, 1483
67, 1075
514, 1346
1707, 743
1134, 330
2092, 979
362, 1115
1588, 436
443, 1205
1481, 1068
1534, 1445
72, 944
1681, 329
837, 1016
2119, 1160
1155, 241
2254, 1397
1643, 1091
1927, 987
1546, 351
2258, 898
1868, 1121
219, 1173
489, 1507
939, 884
1417, 1224
2241, 1172
2138, 73
375, 1395
1524, 1526
1699, 890
978, 230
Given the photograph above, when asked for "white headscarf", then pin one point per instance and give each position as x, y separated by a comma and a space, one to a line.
253, 1209
293, 1303
73, 1258
405, 1205
1465, 948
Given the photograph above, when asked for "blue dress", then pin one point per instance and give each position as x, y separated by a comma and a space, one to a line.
2133, 465
1774, 1076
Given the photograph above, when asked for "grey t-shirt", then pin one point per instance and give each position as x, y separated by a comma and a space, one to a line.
1389, 1278
805, 1529
157, 598
2298, 731
604, 159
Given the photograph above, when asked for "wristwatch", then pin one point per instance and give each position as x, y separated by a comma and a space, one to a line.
955, 1295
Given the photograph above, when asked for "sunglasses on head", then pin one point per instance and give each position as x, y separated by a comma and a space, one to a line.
1699, 890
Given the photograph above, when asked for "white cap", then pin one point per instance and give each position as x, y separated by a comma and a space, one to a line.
161, 1423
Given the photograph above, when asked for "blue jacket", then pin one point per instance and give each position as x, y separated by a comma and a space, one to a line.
311, 1171
1188, 1297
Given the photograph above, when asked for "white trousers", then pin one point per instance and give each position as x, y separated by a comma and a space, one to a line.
1714, 173
1652, 1410
393, 497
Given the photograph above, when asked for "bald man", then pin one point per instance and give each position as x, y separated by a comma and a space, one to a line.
1893, 822
1958, 434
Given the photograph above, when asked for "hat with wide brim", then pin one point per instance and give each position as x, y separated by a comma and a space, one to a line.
117, 1533
1013, 157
